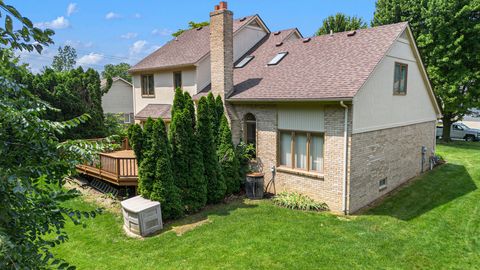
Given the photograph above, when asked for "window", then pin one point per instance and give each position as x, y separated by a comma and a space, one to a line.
148, 89
244, 61
382, 184
301, 150
128, 118
400, 79
277, 58
177, 80
250, 129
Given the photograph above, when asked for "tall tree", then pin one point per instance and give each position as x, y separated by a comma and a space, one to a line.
118, 70
448, 38
148, 163
228, 158
163, 188
190, 107
135, 137
65, 59
34, 161
215, 183
220, 113
191, 25
340, 23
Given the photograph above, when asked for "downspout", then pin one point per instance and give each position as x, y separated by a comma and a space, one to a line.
345, 138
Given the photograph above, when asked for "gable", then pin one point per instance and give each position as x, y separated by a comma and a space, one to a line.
376, 107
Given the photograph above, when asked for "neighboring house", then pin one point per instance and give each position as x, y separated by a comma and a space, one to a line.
119, 99
343, 118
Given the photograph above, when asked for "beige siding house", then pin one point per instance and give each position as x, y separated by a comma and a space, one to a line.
343, 118
119, 99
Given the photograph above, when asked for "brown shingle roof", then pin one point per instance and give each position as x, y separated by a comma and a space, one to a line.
155, 111
187, 49
326, 67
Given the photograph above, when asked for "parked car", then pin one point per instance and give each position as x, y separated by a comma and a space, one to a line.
461, 131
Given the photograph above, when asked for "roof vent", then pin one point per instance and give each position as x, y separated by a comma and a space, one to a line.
243, 19
277, 33
199, 28
351, 33
305, 40
279, 44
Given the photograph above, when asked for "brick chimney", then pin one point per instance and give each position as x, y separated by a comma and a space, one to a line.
221, 50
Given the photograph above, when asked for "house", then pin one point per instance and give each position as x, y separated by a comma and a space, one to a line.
119, 99
343, 118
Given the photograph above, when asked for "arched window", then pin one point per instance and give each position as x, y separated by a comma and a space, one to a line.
250, 129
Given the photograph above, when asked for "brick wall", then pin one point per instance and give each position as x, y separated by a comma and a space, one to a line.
394, 154
327, 189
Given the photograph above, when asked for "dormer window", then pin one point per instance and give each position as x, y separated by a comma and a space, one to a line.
400, 79
244, 61
277, 58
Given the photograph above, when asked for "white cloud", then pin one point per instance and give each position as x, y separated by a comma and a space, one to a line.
112, 15
129, 35
58, 23
138, 47
137, 15
162, 32
72, 8
78, 44
89, 59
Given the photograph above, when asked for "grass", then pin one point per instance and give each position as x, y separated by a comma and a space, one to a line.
433, 223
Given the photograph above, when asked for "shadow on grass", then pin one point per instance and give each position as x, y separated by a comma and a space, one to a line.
435, 188
221, 209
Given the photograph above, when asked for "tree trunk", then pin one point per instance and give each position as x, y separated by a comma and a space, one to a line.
447, 124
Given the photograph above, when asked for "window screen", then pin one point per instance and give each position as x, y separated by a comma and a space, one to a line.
148, 85
286, 149
400, 78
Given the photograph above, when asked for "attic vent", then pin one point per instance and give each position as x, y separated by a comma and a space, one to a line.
277, 33
244, 61
199, 28
279, 44
277, 58
351, 33
243, 19
305, 40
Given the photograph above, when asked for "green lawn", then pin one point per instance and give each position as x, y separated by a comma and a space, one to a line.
433, 223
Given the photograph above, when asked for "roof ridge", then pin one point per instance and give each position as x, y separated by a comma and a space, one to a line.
361, 29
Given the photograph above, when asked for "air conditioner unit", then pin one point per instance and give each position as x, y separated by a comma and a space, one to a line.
141, 216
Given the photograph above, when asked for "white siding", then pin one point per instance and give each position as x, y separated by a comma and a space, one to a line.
376, 107
118, 99
245, 40
203, 73
301, 118
164, 91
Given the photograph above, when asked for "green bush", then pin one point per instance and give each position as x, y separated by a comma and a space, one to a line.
228, 158
294, 200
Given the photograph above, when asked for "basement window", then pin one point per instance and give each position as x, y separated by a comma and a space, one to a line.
277, 58
382, 184
244, 61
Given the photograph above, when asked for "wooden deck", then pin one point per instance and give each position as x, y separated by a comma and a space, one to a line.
119, 168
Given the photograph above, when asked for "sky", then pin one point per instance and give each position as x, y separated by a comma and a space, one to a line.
113, 31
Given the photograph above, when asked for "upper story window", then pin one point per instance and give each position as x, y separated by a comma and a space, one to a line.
177, 80
400, 79
148, 89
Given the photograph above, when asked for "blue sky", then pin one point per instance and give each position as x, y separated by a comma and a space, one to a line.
110, 31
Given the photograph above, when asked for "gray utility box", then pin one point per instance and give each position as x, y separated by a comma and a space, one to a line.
141, 216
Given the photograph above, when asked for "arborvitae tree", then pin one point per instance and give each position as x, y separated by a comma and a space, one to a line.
214, 119
135, 138
147, 165
215, 183
187, 162
178, 101
163, 188
190, 107
228, 158
220, 112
